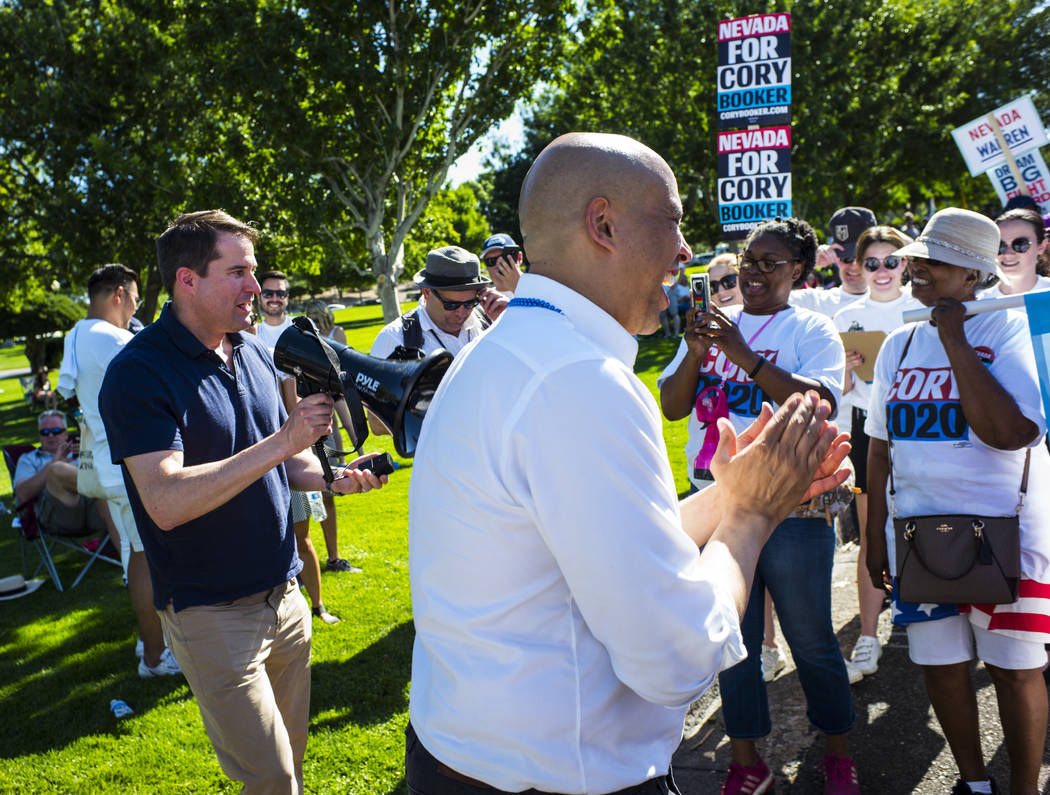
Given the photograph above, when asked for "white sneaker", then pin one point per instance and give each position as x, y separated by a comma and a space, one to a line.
853, 671
866, 653
168, 666
140, 648
773, 662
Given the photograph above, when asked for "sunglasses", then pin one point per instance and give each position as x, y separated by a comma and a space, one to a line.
1020, 245
507, 252
274, 293
747, 262
51, 431
727, 282
452, 306
890, 263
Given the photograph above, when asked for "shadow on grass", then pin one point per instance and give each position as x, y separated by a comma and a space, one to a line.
59, 682
655, 352
370, 687
18, 422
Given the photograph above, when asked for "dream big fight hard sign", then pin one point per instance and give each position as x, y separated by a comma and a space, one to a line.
754, 92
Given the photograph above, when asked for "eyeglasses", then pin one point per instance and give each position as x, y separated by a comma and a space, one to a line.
1020, 245
747, 262
890, 263
727, 282
274, 293
51, 431
847, 260
452, 306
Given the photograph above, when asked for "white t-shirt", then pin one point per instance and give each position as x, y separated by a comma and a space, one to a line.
433, 338
563, 624
269, 334
825, 302
1041, 283
869, 315
88, 350
939, 463
801, 342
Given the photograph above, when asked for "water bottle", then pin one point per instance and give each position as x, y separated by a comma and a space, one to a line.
120, 709
317, 511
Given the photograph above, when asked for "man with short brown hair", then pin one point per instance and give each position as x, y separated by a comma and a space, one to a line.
208, 453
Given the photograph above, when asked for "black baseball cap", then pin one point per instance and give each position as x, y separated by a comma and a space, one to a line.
846, 227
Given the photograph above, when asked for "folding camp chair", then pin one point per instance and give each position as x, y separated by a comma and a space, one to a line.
46, 540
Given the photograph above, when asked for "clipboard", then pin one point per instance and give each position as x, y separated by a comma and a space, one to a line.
867, 343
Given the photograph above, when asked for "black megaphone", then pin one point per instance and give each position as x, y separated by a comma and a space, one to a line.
398, 393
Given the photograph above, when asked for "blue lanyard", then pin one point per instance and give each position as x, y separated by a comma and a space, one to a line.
534, 302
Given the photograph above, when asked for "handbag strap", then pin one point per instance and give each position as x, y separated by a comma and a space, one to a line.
889, 431
889, 449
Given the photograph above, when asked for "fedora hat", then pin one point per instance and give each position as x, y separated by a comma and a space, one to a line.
16, 586
451, 268
957, 237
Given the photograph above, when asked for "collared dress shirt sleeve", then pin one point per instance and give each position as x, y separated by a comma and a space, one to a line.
587, 456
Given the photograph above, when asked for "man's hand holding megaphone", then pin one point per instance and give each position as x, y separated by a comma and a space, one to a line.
311, 419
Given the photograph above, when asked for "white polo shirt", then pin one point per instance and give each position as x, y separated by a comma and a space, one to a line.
562, 625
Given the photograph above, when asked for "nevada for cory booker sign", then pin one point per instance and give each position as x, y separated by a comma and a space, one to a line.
754, 71
754, 91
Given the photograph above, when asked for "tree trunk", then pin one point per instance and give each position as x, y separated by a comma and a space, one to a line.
384, 266
151, 295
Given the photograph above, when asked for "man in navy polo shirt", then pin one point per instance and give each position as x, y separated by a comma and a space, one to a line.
208, 452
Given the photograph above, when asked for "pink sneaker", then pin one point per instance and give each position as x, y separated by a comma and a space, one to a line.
748, 780
840, 775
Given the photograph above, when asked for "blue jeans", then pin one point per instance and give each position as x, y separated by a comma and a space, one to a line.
795, 566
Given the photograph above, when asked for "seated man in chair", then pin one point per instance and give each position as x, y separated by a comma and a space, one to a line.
48, 476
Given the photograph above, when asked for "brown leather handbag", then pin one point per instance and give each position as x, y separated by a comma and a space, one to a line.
957, 558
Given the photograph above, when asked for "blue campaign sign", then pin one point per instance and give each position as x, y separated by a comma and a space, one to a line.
754, 71
1038, 307
754, 178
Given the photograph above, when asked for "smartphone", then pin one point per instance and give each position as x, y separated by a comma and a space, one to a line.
700, 287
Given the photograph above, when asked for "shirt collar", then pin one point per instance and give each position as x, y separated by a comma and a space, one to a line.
588, 318
184, 339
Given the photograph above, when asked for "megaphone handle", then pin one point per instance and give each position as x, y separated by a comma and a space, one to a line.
322, 456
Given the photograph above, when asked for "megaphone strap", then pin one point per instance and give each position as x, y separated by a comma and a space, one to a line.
359, 431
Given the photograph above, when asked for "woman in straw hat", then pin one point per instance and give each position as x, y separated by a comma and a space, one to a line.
960, 398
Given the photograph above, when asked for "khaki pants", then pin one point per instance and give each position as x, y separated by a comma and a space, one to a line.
248, 665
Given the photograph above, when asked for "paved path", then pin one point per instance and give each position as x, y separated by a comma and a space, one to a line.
897, 741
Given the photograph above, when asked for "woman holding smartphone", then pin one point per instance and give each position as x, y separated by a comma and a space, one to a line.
728, 365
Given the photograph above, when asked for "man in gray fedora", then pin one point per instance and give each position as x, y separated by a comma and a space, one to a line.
456, 306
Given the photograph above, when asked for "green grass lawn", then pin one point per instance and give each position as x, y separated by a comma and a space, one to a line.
13, 358
64, 656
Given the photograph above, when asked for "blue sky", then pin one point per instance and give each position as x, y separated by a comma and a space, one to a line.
472, 162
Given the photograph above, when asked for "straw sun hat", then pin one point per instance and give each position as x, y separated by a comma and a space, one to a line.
957, 237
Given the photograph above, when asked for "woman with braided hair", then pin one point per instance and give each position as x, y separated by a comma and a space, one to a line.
730, 363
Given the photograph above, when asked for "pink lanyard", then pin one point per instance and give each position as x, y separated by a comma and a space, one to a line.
750, 342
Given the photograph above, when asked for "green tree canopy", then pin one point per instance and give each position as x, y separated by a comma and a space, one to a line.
877, 87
